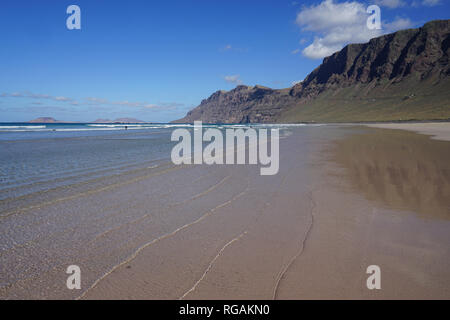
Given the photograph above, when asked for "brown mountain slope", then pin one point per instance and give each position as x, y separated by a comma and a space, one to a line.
400, 76
241, 105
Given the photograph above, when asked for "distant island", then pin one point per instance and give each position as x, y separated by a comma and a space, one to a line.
395, 77
47, 120
118, 120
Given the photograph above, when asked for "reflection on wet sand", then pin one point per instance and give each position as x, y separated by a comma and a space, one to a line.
399, 169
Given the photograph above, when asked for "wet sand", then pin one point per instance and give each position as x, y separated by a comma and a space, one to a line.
344, 198
383, 200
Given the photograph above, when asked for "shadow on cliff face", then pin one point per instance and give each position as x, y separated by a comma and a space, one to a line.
398, 169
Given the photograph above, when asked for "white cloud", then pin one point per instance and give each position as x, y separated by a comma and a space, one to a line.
397, 24
392, 4
143, 105
431, 3
146, 105
92, 101
38, 96
227, 47
234, 79
164, 106
97, 100
338, 24
62, 99
328, 14
295, 51
129, 103
232, 48
320, 49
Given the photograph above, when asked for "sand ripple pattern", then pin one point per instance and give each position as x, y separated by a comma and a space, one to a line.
212, 263
165, 236
299, 252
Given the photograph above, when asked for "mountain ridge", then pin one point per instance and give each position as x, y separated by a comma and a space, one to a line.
399, 76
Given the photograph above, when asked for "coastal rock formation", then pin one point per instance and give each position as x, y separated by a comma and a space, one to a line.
421, 53
399, 76
241, 105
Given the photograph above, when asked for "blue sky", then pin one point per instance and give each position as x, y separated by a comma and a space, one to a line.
155, 60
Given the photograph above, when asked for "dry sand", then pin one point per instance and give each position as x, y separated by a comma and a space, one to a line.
438, 130
345, 198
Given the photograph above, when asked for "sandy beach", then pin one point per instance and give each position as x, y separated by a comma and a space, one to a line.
345, 197
437, 130
223, 159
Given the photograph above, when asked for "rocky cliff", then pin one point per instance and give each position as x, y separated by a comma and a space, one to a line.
399, 76
242, 105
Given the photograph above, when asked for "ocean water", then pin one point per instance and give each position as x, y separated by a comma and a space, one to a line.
36, 157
